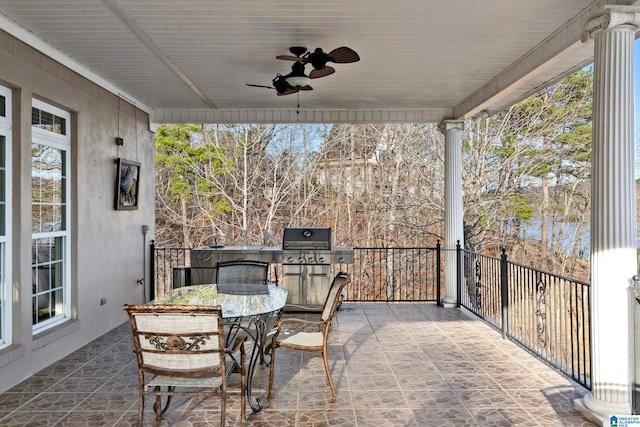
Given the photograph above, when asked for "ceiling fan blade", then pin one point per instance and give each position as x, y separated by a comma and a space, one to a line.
297, 51
307, 87
343, 55
289, 57
289, 91
322, 72
266, 87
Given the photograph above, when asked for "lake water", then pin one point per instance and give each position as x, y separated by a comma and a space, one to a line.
532, 231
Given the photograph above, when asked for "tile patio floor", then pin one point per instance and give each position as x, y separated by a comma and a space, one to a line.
393, 364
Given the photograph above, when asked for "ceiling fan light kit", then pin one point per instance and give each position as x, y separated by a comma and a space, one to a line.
298, 81
297, 77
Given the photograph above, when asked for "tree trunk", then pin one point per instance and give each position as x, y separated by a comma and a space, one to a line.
186, 238
544, 214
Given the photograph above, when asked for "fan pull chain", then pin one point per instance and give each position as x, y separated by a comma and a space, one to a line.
298, 108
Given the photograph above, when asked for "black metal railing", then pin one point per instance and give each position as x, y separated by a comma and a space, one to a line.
168, 268
546, 313
378, 274
395, 274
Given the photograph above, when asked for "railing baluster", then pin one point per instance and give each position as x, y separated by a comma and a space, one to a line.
504, 288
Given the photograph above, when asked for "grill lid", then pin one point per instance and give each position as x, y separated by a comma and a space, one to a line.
306, 238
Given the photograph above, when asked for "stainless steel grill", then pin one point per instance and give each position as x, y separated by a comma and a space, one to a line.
306, 238
306, 263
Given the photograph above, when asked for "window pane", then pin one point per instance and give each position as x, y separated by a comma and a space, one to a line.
48, 121
60, 125
5, 217
47, 189
49, 205
3, 195
47, 271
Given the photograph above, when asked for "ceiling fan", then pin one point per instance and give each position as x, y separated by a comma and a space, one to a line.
293, 82
319, 58
297, 80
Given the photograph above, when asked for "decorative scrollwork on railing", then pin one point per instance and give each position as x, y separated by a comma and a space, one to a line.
478, 285
175, 342
541, 310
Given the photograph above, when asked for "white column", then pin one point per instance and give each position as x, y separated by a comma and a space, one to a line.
453, 228
613, 229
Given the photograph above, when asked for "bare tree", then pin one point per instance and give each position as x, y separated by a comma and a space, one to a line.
389, 182
262, 169
531, 160
380, 185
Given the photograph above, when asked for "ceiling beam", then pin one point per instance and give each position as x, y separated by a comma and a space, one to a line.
148, 42
434, 115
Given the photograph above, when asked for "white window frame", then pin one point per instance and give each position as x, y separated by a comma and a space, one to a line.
6, 337
62, 142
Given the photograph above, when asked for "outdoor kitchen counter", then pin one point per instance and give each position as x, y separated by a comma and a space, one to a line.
305, 269
209, 256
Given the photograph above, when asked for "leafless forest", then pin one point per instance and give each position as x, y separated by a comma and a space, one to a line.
382, 185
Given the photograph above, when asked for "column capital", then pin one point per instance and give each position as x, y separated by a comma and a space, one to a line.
446, 125
613, 16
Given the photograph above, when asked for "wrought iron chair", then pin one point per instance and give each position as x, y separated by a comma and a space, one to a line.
243, 276
238, 272
180, 351
316, 341
202, 275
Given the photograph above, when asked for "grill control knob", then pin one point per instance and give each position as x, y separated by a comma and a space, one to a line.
301, 259
311, 259
321, 259
289, 259
341, 260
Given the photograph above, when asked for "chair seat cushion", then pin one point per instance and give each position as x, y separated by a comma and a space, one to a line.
300, 339
211, 381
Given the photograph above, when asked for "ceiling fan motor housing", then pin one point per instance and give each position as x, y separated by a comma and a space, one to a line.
280, 84
297, 50
318, 59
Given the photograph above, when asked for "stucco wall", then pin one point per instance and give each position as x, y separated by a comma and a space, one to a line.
108, 246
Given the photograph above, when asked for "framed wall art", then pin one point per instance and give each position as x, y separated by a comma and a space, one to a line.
127, 184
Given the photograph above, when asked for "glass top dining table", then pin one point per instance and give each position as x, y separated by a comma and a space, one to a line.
235, 300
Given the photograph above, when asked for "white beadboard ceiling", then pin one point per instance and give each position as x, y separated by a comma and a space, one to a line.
421, 60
